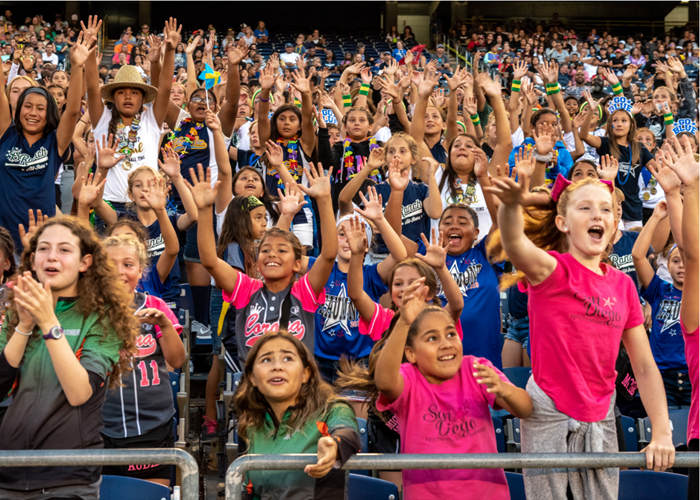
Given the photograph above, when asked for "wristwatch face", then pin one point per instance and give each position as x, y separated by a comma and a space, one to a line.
55, 333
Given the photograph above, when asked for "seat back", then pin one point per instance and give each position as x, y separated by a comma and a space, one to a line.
516, 485
679, 426
364, 439
513, 435
518, 375
630, 432
371, 488
649, 485
500, 434
121, 487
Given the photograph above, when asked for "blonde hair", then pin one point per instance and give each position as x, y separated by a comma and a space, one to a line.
412, 145
127, 240
143, 168
8, 88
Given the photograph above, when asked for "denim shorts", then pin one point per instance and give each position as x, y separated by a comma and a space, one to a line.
677, 385
191, 250
519, 330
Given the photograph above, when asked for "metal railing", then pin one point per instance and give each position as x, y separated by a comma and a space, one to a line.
236, 472
143, 456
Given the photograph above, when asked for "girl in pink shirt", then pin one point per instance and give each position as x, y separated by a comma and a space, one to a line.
441, 399
579, 309
687, 169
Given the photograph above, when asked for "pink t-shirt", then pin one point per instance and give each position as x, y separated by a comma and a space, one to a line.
452, 417
381, 319
692, 346
577, 318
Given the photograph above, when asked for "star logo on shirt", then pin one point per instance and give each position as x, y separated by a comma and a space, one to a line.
333, 321
673, 333
609, 302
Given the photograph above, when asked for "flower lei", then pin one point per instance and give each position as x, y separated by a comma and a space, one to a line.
293, 158
188, 138
354, 163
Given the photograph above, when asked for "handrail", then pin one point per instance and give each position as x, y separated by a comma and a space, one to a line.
170, 456
237, 470
103, 33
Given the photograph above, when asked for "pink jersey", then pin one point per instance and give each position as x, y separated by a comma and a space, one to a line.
452, 417
577, 318
692, 346
381, 319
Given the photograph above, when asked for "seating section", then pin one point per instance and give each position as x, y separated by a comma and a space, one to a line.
518, 375
649, 485
370, 488
679, 427
119, 488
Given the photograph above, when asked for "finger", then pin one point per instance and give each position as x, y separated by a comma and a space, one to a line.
650, 458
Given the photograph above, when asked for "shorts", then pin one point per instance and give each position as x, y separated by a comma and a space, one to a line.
677, 385
72, 492
374, 258
160, 437
519, 330
191, 249
629, 224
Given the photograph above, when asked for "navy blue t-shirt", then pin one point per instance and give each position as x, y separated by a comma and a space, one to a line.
196, 151
628, 177
666, 339
621, 256
481, 316
517, 302
151, 284
27, 176
414, 220
338, 322
155, 246
439, 153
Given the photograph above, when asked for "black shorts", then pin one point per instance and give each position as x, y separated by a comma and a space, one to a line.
160, 437
381, 438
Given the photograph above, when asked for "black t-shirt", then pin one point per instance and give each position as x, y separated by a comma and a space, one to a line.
628, 177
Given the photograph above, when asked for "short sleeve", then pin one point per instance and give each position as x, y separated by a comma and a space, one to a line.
310, 301
378, 324
246, 286
422, 192
374, 285
400, 404
646, 156
100, 352
604, 148
150, 118
655, 289
557, 276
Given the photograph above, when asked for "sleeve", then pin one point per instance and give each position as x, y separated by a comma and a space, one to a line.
422, 192
342, 427
163, 307
646, 156
374, 286
150, 118
421, 247
654, 290
517, 137
240, 295
400, 404
636, 315
688, 106
558, 275
100, 352
303, 291
378, 324
604, 148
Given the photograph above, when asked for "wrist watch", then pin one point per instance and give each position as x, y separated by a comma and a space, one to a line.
54, 334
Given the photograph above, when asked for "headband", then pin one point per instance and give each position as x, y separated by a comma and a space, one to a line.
253, 203
672, 249
36, 90
368, 228
600, 110
562, 183
255, 94
685, 125
462, 126
620, 102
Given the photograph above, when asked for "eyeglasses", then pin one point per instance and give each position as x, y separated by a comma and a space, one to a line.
198, 100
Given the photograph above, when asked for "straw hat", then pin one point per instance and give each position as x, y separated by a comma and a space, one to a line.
128, 76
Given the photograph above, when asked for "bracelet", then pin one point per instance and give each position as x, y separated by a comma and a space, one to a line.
668, 119
544, 158
22, 333
364, 89
617, 89
297, 102
475, 119
515, 87
347, 100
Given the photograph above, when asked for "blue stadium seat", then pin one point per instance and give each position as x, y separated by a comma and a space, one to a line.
370, 488
518, 375
175, 386
649, 485
364, 438
516, 485
237, 379
679, 427
513, 435
500, 434
119, 488
630, 433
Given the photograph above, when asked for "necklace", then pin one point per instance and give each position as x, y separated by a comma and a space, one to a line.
352, 164
188, 138
292, 163
126, 140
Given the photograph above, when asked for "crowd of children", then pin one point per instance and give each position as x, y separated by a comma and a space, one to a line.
351, 262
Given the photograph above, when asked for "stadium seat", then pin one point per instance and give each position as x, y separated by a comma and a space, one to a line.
649, 485
120, 487
513, 435
516, 485
364, 438
630, 433
518, 375
500, 434
371, 488
679, 428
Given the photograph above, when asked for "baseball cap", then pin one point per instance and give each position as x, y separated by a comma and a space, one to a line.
439, 45
23, 28
74, 17
244, 25
288, 45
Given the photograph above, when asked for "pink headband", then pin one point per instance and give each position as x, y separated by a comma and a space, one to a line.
562, 183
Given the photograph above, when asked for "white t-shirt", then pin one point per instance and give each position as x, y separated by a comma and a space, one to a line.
383, 134
142, 150
474, 198
53, 58
289, 58
244, 136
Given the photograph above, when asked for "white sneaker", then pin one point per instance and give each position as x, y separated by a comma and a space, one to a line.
203, 332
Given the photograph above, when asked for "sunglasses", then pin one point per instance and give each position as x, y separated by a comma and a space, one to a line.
198, 100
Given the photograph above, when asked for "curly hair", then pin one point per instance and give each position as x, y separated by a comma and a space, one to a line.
99, 290
7, 247
250, 405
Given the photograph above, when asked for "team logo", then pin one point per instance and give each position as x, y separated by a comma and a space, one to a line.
255, 328
146, 345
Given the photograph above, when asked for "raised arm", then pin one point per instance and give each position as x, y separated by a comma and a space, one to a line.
374, 161
461, 77
229, 109
95, 104
551, 74
223, 162
670, 183
171, 166
5, 118
425, 90
172, 39
435, 256
267, 82
639, 252
432, 205
591, 140
493, 90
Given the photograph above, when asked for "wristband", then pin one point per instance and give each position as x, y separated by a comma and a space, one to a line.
617, 89
475, 119
22, 333
297, 102
668, 119
515, 86
544, 158
552, 88
364, 89
264, 100
347, 100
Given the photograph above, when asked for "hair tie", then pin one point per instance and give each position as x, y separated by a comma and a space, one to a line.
368, 228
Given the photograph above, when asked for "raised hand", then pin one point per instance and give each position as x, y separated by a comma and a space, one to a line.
172, 33
190, 46
667, 178
481, 162
507, 190
544, 138
675, 65
549, 71
275, 154
684, 164
661, 210
425, 88
319, 181
607, 170
327, 455
398, 180
439, 97
610, 76
375, 159
204, 195
630, 71
80, 51
34, 224
89, 192
93, 27
354, 69
408, 58
373, 206
490, 87
579, 118
637, 108
435, 251
291, 201
413, 301
592, 103
432, 166
238, 53
519, 70
107, 156
366, 75
171, 162
301, 83
155, 193
461, 77
209, 44
391, 67
154, 44
486, 375
470, 103
267, 77
357, 236
529, 90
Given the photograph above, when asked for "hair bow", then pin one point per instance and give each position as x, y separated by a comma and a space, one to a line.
562, 183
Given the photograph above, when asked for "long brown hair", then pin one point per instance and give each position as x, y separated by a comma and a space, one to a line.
238, 228
540, 228
99, 290
635, 147
315, 396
